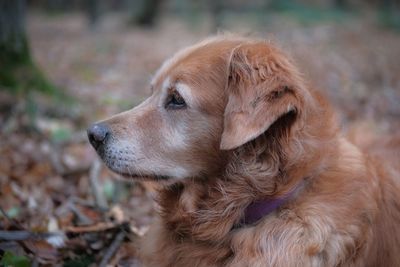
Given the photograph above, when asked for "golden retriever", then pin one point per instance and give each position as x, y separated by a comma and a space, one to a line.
257, 170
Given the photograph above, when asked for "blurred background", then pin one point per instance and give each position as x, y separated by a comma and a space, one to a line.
67, 63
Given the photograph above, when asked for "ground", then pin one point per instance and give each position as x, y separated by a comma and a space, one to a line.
50, 177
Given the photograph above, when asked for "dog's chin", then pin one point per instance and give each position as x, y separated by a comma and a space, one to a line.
132, 176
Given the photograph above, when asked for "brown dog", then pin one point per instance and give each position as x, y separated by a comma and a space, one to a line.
258, 172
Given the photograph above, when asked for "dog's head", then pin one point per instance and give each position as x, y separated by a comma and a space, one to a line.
207, 100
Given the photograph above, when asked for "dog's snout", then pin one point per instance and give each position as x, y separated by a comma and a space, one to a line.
98, 134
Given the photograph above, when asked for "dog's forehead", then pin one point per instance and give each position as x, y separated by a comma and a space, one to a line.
194, 57
162, 75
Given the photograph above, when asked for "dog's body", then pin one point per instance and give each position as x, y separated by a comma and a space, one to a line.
230, 122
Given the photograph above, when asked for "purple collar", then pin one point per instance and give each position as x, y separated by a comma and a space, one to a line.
261, 208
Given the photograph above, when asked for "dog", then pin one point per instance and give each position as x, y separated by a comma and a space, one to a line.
254, 168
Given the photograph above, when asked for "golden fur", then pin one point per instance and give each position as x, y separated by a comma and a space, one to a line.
254, 128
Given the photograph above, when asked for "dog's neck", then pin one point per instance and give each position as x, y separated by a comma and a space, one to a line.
261, 208
206, 211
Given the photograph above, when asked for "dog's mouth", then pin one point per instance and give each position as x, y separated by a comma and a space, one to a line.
144, 177
122, 164
139, 176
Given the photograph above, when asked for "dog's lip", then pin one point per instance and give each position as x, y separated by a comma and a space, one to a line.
143, 177
133, 175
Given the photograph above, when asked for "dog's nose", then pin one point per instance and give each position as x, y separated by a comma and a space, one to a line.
97, 134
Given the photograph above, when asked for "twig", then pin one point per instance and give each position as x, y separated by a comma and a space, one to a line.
112, 248
82, 202
82, 217
26, 235
102, 226
95, 185
56, 239
55, 159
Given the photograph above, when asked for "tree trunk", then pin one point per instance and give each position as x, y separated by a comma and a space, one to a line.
93, 12
390, 13
216, 8
18, 73
340, 4
144, 12
13, 42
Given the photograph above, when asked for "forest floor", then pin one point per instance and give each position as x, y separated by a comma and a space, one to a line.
60, 205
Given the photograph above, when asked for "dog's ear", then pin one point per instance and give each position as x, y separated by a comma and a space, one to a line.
263, 87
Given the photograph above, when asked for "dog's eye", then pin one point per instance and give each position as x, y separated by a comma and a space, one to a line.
175, 101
